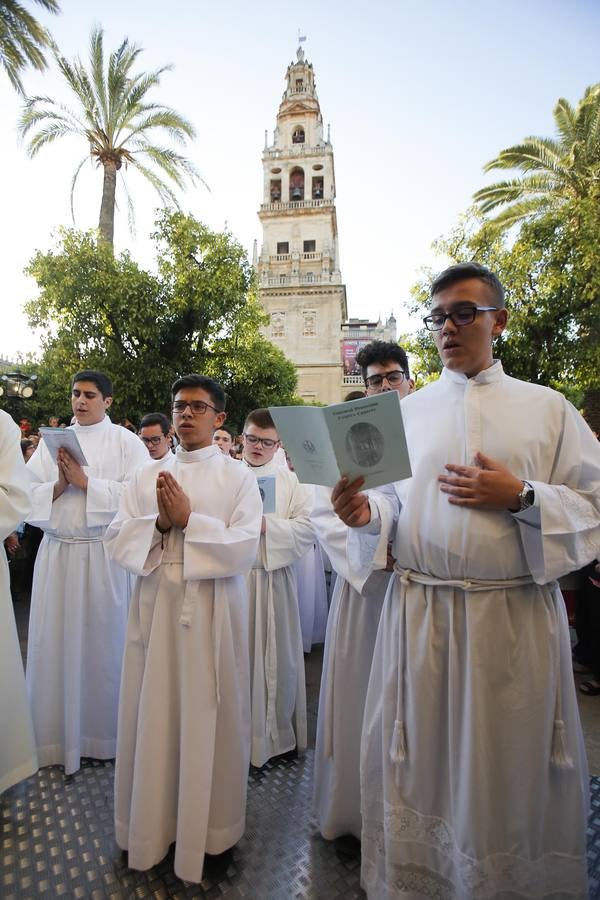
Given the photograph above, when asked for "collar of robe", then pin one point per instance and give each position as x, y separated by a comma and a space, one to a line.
193, 456
486, 376
269, 468
97, 426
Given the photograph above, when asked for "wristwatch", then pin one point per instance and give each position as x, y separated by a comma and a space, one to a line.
526, 497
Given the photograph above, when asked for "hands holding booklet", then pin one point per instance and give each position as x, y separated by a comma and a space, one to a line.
362, 437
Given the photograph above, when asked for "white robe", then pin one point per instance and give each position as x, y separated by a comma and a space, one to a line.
17, 746
278, 682
79, 601
349, 642
312, 596
473, 771
184, 718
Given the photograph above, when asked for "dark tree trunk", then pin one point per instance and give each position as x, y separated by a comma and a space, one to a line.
106, 224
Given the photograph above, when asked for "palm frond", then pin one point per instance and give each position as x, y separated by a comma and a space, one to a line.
73, 182
97, 71
22, 40
130, 207
163, 190
519, 212
533, 154
501, 192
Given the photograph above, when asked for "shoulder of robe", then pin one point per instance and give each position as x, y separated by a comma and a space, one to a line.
535, 393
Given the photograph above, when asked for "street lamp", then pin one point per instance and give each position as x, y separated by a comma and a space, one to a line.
15, 385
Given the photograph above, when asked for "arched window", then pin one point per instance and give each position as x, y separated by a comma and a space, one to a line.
296, 185
298, 135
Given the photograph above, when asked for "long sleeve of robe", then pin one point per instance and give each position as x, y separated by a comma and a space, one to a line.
184, 717
471, 704
80, 600
17, 747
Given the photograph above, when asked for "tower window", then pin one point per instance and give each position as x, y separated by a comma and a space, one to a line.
296, 185
309, 277
310, 246
299, 84
298, 135
309, 322
276, 190
317, 187
283, 247
278, 324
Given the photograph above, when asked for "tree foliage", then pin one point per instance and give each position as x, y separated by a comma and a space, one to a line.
117, 121
198, 313
551, 274
22, 39
555, 170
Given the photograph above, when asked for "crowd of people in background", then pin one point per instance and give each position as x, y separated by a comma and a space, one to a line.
170, 613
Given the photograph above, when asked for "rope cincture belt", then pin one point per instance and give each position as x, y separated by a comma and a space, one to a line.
63, 539
559, 756
187, 613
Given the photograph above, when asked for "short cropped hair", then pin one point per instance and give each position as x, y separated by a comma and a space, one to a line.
262, 418
227, 429
102, 381
156, 419
212, 388
381, 352
354, 395
461, 271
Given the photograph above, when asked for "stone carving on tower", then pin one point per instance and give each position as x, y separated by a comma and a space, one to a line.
299, 272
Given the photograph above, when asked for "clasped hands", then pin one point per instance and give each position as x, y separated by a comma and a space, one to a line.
69, 472
173, 504
485, 485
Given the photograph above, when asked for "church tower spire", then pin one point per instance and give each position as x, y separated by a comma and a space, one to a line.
299, 272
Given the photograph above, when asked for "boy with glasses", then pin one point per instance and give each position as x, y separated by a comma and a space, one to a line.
154, 433
188, 526
384, 367
276, 656
473, 774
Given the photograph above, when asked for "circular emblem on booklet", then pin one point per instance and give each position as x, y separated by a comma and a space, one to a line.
309, 446
365, 444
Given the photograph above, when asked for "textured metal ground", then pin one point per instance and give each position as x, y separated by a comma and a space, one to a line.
57, 841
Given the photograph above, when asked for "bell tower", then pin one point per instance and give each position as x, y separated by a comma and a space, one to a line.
299, 272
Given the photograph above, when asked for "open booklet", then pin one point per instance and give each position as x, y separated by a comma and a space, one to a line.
268, 492
65, 438
361, 437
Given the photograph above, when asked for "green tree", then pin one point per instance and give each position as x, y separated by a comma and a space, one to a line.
118, 122
22, 39
551, 274
199, 313
556, 171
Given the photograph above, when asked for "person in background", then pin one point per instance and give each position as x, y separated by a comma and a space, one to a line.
53, 422
79, 599
276, 659
223, 438
155, 433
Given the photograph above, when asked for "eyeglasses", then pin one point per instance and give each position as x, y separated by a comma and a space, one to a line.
154, 441
197, 407
464, 315
396, 376
267, 443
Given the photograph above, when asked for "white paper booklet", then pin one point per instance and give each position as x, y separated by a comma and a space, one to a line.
65, 438
362, 437
267, 487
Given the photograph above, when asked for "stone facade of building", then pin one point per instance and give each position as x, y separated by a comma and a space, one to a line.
300, 281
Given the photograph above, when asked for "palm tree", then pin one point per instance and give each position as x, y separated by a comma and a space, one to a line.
556, 170
118, 123
22, 39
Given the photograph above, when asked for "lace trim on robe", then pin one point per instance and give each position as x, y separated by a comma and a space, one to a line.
549, 875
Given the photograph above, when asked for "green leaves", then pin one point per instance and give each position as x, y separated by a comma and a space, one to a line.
199, 313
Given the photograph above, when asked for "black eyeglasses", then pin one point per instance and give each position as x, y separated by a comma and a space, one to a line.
267, 443
154, 441
396, 376
464, 315
198, 407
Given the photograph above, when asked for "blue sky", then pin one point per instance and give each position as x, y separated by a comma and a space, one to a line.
419, 96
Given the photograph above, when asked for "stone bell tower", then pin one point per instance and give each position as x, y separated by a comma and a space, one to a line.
299, 271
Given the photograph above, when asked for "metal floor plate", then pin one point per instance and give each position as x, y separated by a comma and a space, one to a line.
57, 841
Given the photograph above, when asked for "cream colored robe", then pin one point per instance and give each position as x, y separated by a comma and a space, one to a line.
184, 717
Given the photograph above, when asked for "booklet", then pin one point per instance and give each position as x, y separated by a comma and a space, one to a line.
361, 437
267, 488
65, 438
